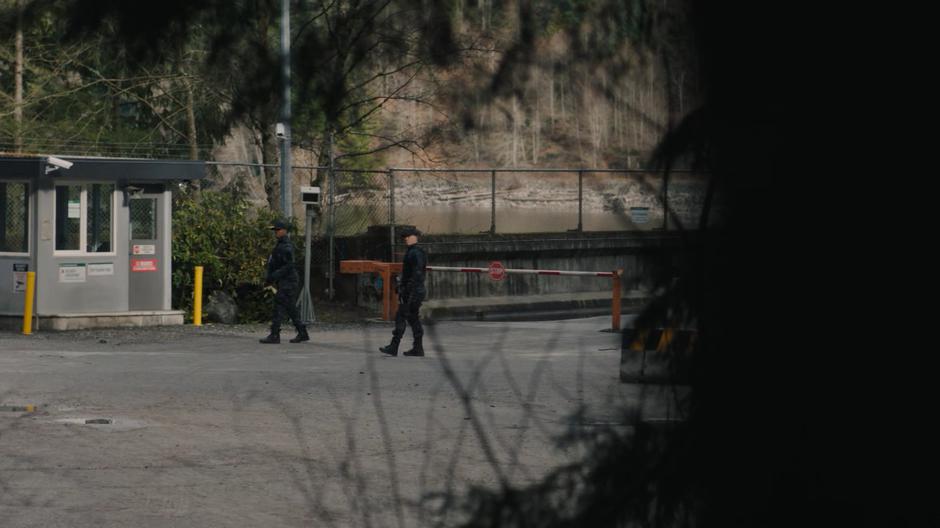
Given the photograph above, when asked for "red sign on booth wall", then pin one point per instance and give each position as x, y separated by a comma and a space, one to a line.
144, 265
497, 271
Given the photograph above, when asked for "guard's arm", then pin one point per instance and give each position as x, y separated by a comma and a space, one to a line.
281, 261
267, 270
421, 262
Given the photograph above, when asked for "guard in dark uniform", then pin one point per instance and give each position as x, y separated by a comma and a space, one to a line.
282, 274
411, 293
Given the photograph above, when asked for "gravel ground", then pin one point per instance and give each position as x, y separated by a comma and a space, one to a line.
204, 426
151, 334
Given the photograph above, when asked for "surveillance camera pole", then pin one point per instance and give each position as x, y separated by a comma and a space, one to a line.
305, 302
286, 179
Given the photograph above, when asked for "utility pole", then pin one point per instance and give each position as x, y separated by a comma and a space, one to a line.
284, 128
332, 204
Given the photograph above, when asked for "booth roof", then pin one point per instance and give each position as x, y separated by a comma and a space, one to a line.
93, 168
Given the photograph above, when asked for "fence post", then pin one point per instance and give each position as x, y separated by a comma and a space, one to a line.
666, 200
493, 202
580, 200
615, 303
391, 215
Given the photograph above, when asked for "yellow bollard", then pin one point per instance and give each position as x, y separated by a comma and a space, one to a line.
197, 297
28, 308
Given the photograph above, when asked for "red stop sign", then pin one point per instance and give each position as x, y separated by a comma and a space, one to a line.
497, 271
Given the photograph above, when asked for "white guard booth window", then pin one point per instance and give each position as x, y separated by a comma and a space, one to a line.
84, 218
14, 218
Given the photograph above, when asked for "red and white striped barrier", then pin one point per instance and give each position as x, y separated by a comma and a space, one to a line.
496, 272
526, 271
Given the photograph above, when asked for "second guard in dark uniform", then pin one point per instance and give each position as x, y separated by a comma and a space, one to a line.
411, 293
282, 274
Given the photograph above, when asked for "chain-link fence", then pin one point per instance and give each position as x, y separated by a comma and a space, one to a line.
455, 201
360, 209
452, 201
358, 200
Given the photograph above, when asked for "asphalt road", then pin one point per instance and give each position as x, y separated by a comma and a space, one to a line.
210, 428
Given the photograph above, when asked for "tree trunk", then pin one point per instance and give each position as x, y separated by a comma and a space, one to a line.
268, 147
476, 145
536, 125
515, 130
620, 114
577, 130
191, 118
551, 98
18, 81
643, 111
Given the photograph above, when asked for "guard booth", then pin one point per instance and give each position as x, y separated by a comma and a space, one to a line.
97, 233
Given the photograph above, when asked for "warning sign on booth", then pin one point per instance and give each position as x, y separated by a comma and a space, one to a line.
144, 265
71, 273
19, 277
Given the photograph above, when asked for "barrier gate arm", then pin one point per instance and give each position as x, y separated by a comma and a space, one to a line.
616, 277
386, 269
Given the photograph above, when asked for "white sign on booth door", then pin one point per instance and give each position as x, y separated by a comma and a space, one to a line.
98, 269
71, 273
19, 277
144, 249
75, 209
19, 281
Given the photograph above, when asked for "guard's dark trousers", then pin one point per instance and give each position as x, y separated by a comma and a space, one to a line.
407, 315
284, 308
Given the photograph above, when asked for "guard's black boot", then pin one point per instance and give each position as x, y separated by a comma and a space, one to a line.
273, 338
417, 349
391, 349
301, 335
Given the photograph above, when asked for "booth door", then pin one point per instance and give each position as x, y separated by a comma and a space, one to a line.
147, 261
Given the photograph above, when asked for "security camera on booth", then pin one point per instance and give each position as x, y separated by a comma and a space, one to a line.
53, 164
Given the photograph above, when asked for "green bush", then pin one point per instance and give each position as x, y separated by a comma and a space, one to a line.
223, 233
